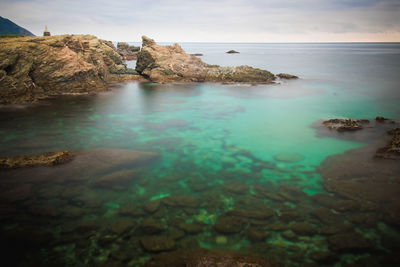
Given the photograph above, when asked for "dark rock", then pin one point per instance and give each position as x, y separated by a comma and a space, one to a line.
175, 233
157, 243
392, 149
381, 119
256, 235
197, 54
189, 242
152, 206
149, 226
351, 242
191, 228
303, 229
229, 225
336, 229
45, 159
236, 187
188, 201
259, 214
345, 205
286, 76
323, 257
171, 63
232, 52
292, 194
289, 216
327, 216
344, 125
122, 225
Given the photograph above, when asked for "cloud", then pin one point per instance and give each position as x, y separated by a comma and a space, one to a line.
206, 20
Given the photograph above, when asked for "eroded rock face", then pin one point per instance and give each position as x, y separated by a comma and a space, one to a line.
126, 51
36, 67
45, 159
171, 64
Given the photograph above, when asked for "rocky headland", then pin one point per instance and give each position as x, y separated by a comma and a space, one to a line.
32, 68
166, 64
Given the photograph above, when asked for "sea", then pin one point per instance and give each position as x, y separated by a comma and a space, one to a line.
233, 167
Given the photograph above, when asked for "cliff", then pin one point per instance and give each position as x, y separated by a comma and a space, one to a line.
172, 64
37, 67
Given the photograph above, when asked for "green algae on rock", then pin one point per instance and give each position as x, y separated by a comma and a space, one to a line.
32, 68
172, 64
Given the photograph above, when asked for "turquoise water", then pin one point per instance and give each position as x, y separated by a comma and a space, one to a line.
206, 136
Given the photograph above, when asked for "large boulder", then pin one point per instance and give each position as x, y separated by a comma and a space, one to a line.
171, 63
36, 67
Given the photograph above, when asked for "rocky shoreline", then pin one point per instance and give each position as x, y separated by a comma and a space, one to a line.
33, 68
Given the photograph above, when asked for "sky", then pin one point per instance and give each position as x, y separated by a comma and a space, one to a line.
212, 20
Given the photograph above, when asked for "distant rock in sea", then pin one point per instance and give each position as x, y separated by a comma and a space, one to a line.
172, 64
32, 68
286, 76
7, 27
232, 52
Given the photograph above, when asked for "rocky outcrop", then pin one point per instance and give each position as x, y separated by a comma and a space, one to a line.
286, 76
392, 149
126, 51
343, 125
171, 64
32, 68
46, 159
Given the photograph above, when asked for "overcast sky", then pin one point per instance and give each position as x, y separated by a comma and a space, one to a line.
212, 20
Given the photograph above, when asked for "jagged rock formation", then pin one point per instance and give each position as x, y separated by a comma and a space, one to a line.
8, 27
171, 64
126, 51
342, 125
37, 67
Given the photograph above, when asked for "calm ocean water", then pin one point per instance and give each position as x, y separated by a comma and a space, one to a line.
213, 147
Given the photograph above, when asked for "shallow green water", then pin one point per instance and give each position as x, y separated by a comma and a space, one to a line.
206, 136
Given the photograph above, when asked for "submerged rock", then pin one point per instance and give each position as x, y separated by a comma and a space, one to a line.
118, 178
200, 257
289, 157
351, 242
32, 68
157, 243
171, 64
392, 150
45, 159
150, 226
343, 125
229, 225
